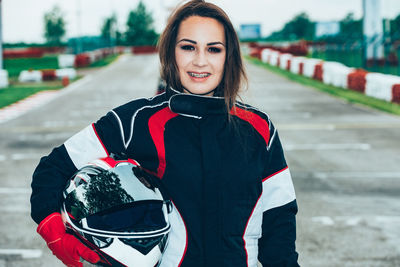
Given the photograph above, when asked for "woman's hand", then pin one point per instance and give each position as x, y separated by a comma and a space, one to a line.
65, 247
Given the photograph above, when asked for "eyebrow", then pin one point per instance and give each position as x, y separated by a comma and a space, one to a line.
194, 42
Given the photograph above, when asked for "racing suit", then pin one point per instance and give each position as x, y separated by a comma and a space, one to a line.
233, 197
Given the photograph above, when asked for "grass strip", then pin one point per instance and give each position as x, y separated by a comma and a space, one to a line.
104, 62
17, 91
14, 93
349, 95
16, 65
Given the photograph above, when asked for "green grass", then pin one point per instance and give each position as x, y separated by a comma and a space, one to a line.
16, 65
16, 92
349, 95
105, 61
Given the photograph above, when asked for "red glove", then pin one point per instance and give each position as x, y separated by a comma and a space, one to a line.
66, 247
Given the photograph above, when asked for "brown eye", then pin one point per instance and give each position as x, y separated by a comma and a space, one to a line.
214, 49
187, 47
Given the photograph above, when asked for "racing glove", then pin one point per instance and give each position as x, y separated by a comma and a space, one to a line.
65, 247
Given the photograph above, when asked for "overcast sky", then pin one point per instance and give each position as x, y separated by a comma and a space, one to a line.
22, 20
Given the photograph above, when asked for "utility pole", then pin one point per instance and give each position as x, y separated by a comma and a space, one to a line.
79, 25
1, 41
373, 31
3, 73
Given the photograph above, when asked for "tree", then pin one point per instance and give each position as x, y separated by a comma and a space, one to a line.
140, 27
395, 28
54, 26
300, 27
109, 31
104, 192
351, 28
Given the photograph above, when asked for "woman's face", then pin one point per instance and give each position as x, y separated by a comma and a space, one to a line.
200, 54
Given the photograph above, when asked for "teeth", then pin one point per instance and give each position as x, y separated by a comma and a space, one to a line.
202, 75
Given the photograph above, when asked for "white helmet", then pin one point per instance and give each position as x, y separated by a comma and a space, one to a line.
114, 210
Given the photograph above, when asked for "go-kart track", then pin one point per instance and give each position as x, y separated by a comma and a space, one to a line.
344, 159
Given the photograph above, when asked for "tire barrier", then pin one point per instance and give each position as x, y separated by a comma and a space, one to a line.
30, 52
356, 80
46, 75
23, 53
3, 78
309, 66
27, 76
381, 86
285, 61
335, 74
297, 65
396, 93
144, 50
66, 61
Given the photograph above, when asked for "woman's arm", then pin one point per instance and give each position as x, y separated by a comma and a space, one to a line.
277, 243
53, 171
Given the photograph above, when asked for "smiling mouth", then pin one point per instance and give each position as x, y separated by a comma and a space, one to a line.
199, 75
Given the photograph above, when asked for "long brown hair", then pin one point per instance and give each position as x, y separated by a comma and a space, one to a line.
234, 74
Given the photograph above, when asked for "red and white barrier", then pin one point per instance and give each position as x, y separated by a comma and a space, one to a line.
30, 76
3, 78
309, 66
265, 54
66, 61
274, 58
67, 72
285, 61
377, 85
297, 65
380, 85
335, 74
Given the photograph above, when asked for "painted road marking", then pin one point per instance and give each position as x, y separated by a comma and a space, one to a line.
15, 190
37, 100
337, 126
355, 220
325, 220
24, 253
20, 156
357, 175
351, 146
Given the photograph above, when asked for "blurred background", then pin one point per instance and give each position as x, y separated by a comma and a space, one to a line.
326, 71
333, 29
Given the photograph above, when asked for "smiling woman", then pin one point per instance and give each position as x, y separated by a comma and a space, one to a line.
206, 34
219, 161
200, 54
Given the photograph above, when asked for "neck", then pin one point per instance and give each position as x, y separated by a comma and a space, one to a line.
209, 93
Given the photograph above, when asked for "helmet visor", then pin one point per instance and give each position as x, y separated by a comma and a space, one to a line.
138, 217
94, 190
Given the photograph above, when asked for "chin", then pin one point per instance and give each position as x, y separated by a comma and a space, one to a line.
200, 89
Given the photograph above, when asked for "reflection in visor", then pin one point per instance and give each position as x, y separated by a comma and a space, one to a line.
95, 190
141, 216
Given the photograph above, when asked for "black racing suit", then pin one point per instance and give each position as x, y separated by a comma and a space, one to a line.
234, 201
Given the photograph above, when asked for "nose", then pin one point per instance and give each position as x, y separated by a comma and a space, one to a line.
200, 59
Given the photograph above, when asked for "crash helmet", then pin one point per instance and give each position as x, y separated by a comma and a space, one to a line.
115, 209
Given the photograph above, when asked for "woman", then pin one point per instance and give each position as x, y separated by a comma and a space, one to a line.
220, 161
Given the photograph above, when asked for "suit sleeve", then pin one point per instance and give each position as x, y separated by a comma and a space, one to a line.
277, 242
54, 170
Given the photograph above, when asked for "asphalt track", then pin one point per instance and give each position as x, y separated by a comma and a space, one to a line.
344, 159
